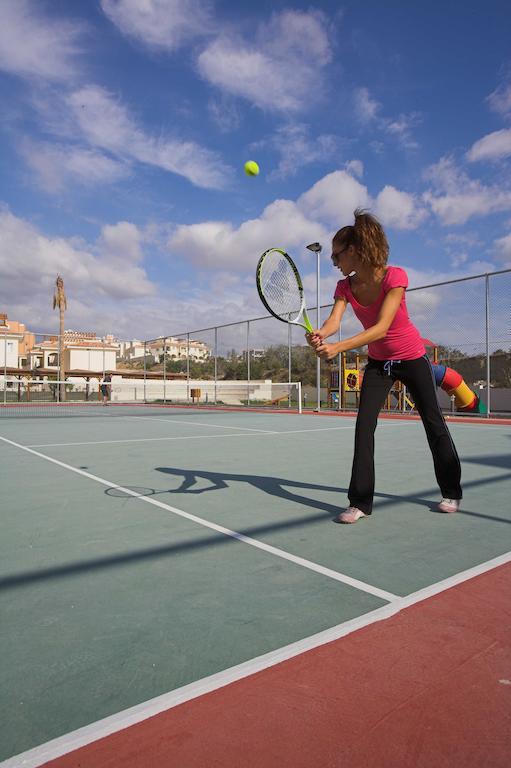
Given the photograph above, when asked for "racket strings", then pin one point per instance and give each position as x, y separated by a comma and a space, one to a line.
280, 286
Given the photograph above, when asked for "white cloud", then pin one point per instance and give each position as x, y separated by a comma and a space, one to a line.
36, 46
274, 72
457, 209
494, 146
161, 24
107, 288
401, 129
366, 108
397, 209
455, 197
463, 238
459, 246
298, 149
334, 198
121, 242
224, 113
110, 269
106, 123
316, 215
457, 259
217, 244
368, 111
500, 99
57, 165
355, 168
503, 250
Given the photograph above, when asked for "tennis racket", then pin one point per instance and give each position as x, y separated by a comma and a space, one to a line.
280, 288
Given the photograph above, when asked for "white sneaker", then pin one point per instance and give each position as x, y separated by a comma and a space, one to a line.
350, 515
449, 505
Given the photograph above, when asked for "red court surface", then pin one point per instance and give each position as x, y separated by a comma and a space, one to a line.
428, 688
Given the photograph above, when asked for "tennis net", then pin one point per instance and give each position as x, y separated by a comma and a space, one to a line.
129, 397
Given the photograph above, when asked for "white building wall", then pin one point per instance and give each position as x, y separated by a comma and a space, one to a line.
9, 351
92, 359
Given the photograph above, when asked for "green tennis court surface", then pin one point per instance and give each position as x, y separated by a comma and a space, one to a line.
154, 550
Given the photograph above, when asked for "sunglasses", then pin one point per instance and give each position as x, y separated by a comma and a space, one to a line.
336, 254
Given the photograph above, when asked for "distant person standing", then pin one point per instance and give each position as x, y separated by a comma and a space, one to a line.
106, 388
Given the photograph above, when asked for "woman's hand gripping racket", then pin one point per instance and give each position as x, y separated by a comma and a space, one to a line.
280, 288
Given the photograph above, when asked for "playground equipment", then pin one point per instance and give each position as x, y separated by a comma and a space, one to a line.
350, 376
453, 383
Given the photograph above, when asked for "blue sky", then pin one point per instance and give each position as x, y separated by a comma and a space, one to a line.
125, 125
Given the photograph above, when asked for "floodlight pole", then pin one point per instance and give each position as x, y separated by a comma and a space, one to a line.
317, 248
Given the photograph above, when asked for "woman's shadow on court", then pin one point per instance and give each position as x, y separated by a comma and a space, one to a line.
279, 487
274, 486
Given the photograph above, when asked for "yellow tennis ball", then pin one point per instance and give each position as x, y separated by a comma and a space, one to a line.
251, 168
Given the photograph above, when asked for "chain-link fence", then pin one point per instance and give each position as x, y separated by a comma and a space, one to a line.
466, 323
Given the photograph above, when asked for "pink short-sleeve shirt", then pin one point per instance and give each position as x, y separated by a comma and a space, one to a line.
403, 340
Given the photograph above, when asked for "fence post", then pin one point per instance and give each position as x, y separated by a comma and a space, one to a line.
248, 362
165, 369
216, 360
318, 325
5, 365
188, 367
289, 374
145, 370
59, 374
488, 373
339, 373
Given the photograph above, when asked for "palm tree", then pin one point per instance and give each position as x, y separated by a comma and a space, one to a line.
60, 301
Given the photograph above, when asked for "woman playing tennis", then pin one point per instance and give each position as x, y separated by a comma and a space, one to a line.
376, 292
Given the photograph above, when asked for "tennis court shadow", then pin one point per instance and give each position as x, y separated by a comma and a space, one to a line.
482, 482
502, 460
274, 486
278, 486
271, 485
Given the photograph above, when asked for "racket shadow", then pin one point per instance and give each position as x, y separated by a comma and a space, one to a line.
131, 492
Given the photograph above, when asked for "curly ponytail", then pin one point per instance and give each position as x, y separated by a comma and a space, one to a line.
367, 236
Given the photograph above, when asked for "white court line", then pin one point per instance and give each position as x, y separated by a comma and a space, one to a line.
400, 422
197, 424
311, 566
89, 734
183, 437
142, 440
193, 437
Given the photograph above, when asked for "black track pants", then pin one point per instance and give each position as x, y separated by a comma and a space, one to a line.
417, 375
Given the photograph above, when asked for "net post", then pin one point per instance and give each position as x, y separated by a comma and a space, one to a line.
299, 385
248, 363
